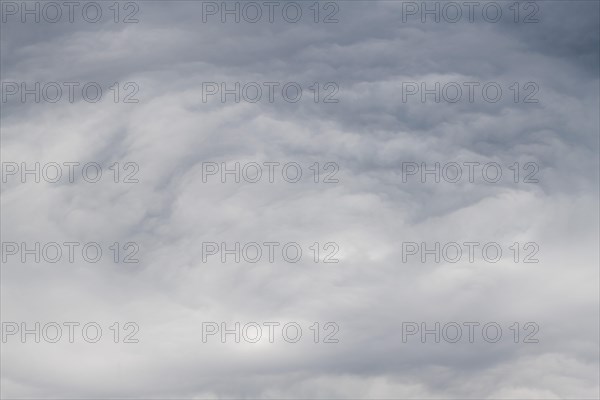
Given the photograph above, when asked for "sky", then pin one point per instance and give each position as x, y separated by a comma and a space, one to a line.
300, 199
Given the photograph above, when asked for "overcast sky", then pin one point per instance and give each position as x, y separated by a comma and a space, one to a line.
370, 131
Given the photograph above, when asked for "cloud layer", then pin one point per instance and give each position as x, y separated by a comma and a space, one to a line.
373, 135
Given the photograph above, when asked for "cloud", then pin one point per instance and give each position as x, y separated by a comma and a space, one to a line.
370, 136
